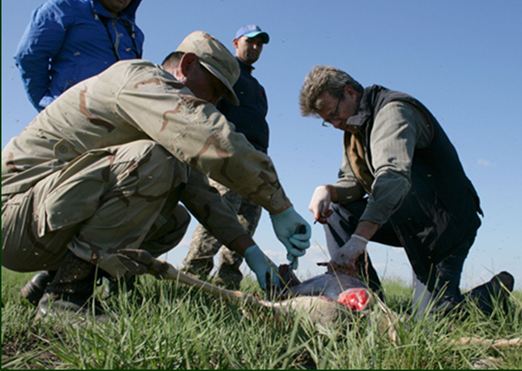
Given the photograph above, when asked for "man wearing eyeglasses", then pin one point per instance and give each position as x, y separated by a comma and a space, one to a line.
401, 184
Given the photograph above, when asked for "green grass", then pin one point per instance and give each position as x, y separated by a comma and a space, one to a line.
168, 326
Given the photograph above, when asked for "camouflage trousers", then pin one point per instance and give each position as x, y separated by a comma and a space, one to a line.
108, 199
203, 247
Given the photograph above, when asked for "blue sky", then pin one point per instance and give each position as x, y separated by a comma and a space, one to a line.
462, 59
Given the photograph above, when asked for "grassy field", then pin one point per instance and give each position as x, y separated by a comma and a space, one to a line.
167, 326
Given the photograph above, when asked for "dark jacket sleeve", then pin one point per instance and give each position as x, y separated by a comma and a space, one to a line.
211, 210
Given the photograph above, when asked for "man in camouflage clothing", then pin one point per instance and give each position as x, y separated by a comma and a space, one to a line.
249, 119
103, 168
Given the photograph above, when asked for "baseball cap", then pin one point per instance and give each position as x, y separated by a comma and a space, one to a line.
215, 57
252, 30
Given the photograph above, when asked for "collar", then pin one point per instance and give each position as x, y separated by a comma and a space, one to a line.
129, 13
245, 66
362, 113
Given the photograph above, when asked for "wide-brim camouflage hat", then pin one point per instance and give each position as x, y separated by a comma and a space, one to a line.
215, 57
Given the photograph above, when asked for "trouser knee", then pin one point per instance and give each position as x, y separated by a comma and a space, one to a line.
167, 235
108, 197
342, 224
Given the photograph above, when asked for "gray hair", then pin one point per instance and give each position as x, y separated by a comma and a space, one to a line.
323, 79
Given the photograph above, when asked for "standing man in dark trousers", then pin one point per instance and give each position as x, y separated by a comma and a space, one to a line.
249, 119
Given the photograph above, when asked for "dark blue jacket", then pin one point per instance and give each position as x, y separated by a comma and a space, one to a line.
68, 41
249, 116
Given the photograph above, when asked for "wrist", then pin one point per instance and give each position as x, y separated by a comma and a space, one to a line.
251, 250
360, 238
255, 258
366, 229
283, 213
241, 244
334, 197
287, 204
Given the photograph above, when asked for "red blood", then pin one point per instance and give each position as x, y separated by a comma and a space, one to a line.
355, 299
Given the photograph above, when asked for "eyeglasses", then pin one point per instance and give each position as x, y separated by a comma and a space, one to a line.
333, 116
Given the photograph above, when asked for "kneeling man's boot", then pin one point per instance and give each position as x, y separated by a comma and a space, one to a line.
34, 288
71, 289
494, 291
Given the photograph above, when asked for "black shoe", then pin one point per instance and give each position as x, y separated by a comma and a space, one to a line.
495, 290
35, 287
71, 289
506, 279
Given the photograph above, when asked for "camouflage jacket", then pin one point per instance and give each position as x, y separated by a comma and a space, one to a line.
134, 100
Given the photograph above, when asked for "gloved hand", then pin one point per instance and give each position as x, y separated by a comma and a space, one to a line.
293, 232
346, 257
262, 266
320, 204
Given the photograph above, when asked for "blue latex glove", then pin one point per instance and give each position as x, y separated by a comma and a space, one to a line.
293, 232
261, 265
